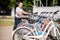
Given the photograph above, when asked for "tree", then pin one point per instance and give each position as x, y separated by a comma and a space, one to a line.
12, 3
4, 3
27, 3
54, 2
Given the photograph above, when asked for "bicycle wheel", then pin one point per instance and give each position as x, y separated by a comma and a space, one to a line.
20, 32
57, 37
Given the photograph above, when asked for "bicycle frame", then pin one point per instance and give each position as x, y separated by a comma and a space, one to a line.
43, 35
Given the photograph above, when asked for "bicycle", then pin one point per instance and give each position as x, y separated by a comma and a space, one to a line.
30, 34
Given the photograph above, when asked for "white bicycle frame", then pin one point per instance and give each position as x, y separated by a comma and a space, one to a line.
43, 35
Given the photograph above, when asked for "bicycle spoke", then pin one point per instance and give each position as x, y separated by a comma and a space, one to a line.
21, 33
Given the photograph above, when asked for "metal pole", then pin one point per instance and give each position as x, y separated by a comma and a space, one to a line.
37, 3
34, 2
40, 3
53, 2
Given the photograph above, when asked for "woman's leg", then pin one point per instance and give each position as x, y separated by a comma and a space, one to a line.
17, 21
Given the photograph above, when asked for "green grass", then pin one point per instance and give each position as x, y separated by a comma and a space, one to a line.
6, 23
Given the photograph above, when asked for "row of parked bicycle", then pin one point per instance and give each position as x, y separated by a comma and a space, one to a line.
36, 28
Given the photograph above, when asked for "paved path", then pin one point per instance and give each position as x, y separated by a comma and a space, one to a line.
5, 33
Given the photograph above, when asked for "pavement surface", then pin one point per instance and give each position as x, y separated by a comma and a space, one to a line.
6, 33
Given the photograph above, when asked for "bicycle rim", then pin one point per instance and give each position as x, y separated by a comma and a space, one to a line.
18, 34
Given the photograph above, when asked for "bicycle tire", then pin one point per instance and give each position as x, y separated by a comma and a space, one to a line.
18, 30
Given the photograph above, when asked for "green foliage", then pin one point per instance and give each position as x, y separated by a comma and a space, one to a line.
27, 3
4, 2
12, 3
7, 3
4, 22
54, 2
